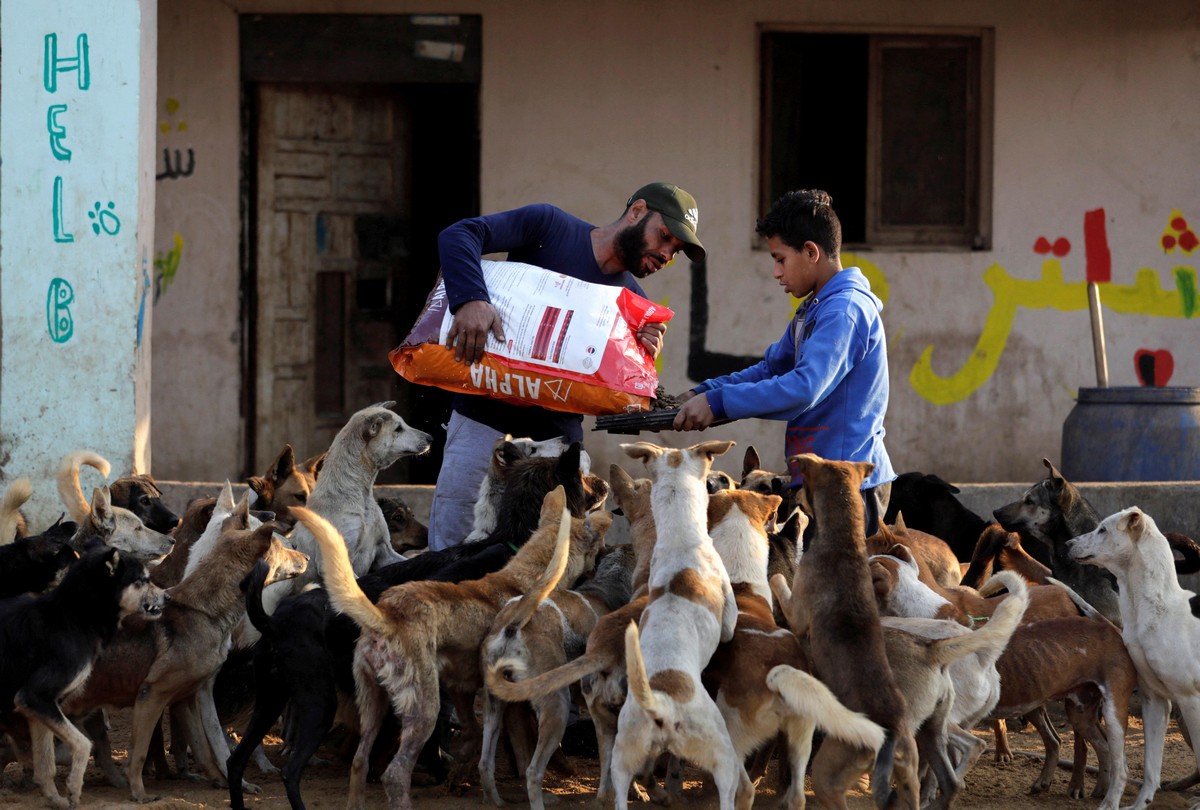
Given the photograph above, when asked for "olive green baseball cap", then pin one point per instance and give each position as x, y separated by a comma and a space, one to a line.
679, 212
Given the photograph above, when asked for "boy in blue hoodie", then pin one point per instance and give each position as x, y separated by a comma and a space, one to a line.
828, 374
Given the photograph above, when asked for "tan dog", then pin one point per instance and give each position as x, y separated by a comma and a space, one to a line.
759, 678
833, 604
286, 484
116, 526
536, 633
372, 439
691, 610
12, 521
422, 633
937, 563
601, 669
166, 662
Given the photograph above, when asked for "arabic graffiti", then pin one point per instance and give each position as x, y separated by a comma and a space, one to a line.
173, 170
1145, 296
165, 267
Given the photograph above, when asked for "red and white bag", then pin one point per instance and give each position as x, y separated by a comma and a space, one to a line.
570, 345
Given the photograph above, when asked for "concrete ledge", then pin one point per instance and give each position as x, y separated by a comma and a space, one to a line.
1174, 505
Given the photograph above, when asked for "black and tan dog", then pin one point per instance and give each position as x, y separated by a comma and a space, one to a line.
136, 492
286, 484
48, 646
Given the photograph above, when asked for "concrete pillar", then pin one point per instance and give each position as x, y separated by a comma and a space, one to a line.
76, 238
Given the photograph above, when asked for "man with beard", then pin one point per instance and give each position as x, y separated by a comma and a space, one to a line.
659, 221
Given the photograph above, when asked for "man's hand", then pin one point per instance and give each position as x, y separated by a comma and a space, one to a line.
695, 414
469, 331
651, 338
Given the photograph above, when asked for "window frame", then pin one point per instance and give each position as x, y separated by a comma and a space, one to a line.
976, 232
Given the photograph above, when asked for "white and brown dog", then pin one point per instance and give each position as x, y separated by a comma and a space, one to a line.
1160, 627
691, 610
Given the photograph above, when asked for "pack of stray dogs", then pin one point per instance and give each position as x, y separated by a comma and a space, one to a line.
742, 622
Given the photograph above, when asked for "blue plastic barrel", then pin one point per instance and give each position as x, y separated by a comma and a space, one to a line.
1133, 434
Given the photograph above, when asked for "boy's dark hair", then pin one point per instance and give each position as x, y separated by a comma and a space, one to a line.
804, 215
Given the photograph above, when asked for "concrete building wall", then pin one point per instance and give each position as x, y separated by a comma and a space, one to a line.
583, 102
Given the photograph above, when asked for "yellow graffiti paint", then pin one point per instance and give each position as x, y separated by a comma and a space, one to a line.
1146, 296
875, 276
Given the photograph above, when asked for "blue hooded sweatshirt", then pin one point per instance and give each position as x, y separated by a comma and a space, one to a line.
830, 382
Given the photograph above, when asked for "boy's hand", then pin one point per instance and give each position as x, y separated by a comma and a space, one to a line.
651, 338
695, 414
468, 333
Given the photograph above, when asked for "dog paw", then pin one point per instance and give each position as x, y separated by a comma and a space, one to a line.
252, 789
1038, 787
1075, 793
549, 799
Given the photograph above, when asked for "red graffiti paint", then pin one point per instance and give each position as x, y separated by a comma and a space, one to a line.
1095, 246
1189, 241
1179, 224
1168, 241
1154, 367
1061, 247
1042, 246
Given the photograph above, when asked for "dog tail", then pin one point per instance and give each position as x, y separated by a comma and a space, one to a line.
344, 593
881, 774
68, 481
18, 492
523, 611
993, 637
1084, 606
255, 581
542, 684
639, 683
807, 696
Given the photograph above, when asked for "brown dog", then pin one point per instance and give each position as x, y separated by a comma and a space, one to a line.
165, 662
833, 604
286, 484
422, 633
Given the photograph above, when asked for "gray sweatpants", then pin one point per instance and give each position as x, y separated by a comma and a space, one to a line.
464, 464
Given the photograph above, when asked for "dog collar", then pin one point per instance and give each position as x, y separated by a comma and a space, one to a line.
511, 545
977, 619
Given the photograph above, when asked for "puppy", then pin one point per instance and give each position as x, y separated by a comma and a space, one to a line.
833, 605
421, 633
48, 646
372, 440
286, 484
1161, 630
691, 610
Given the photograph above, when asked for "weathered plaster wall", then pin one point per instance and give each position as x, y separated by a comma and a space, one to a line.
582, 103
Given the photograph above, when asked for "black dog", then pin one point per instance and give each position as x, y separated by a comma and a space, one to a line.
48, 643
929, 505
306, 654
32, 564
140, 495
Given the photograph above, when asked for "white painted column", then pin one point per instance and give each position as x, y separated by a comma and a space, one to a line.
76, 238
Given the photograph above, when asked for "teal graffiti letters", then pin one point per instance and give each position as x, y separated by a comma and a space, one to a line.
54, 66
57, 132
59, 234
58, 310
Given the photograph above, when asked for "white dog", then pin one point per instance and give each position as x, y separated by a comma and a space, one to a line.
372, 440
1159, 628
691, 610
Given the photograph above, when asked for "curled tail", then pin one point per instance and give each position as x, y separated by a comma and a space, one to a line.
525, 607
807, 696
993, 637
543, 684
18, 492
344, 593
1084, 606
635, 672
68, 481
256, 580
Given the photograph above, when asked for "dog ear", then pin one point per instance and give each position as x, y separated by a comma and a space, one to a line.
769, 505
505, 454
568, 462
1133, 523
942, 483
112, 559
903, 552
807, 464
102, 509
794, 526
315, 464
284, 465
883, 581
374, 424
711, 449
644, 452
899, 525
262, 487
750, 462
621, 483
225, 502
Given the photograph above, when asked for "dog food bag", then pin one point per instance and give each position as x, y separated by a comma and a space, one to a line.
570, 345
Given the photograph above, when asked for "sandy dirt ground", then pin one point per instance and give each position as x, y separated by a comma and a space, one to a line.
989, 786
